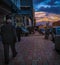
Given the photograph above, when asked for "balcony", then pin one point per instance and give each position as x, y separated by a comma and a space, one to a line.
24, 12
25, 7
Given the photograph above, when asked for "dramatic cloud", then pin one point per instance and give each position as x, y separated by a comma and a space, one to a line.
47, 5
51, 9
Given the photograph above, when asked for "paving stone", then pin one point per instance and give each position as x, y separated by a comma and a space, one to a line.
33, 50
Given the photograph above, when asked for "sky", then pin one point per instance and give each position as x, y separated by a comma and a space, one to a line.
51, 6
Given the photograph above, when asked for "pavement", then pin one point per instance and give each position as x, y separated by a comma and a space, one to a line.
33, 50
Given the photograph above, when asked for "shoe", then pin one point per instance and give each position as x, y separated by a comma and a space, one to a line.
14, 55
6, 62
19, 40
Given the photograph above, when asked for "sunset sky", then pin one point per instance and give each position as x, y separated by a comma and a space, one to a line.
45, 16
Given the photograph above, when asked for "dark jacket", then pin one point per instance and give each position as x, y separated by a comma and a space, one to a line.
18, 30
8, 34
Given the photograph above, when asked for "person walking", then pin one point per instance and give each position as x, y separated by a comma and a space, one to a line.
18, 30
47, 31
8, 35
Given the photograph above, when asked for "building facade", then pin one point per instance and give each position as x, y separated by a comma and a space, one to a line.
22, 9
8, 7
26, 12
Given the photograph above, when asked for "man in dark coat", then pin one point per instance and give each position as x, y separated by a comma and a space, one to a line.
8, 35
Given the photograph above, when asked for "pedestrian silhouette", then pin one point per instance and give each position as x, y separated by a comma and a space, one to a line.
18, 31
8, 35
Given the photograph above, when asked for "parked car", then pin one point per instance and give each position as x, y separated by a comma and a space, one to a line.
56, 37
55, 32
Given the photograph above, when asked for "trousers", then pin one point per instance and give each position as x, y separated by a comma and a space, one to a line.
6, 51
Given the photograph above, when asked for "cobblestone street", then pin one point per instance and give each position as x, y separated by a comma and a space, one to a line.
33, 50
